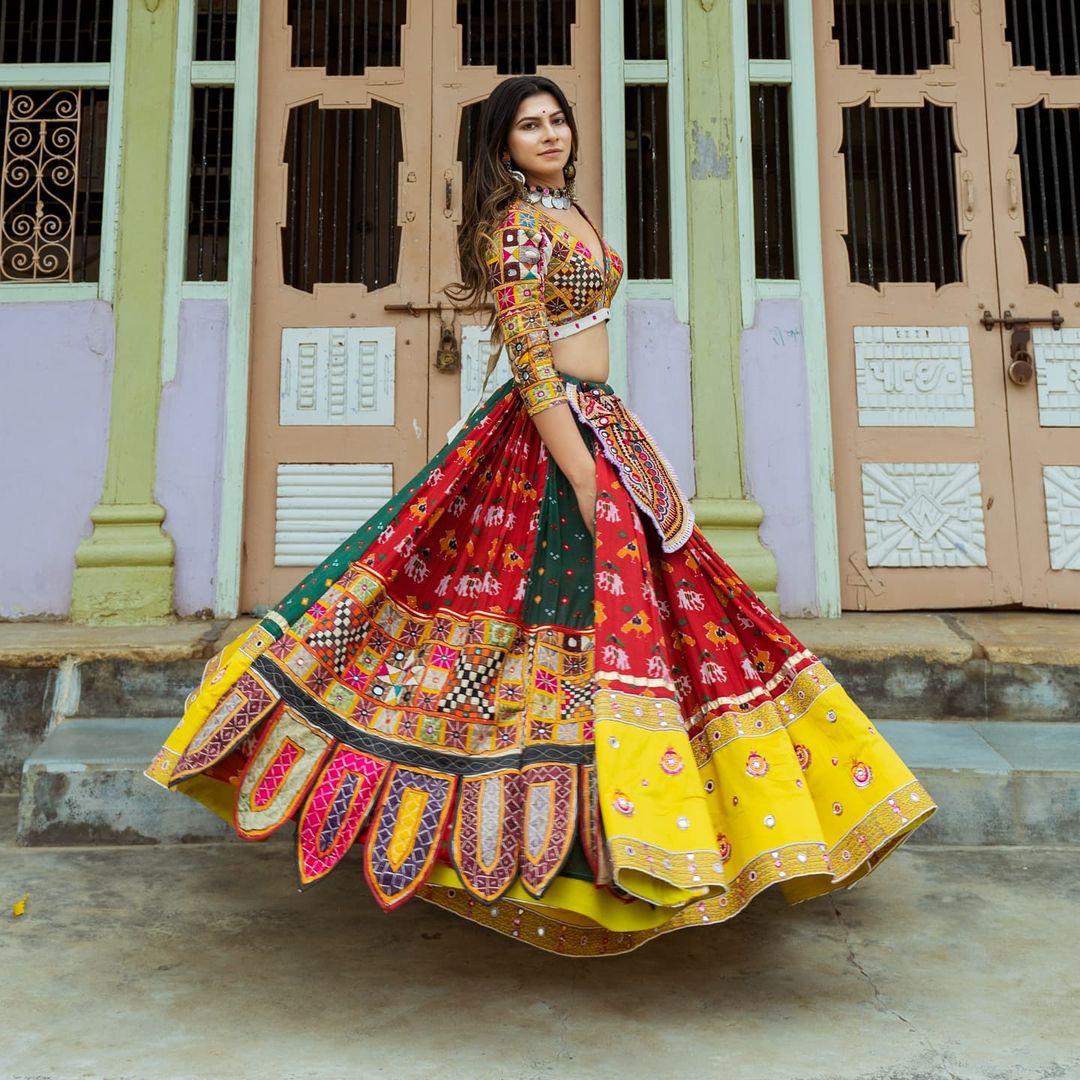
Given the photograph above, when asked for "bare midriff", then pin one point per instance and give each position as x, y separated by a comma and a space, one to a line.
584, 354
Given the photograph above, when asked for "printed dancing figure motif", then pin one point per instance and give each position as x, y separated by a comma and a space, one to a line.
580, 735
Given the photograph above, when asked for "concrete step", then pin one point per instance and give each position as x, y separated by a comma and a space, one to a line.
978, 665
84, 785
51, 671
996, 782
1007, 665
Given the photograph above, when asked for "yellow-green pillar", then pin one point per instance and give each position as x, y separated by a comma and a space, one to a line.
124, 570
727, 517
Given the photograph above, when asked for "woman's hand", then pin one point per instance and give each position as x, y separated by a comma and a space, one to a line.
586, 498
559, 432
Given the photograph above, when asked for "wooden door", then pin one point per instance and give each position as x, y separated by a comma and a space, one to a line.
1032, 79
924, 484
366, 122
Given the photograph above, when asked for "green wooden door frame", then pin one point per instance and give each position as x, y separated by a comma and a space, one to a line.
124, 571
728, 518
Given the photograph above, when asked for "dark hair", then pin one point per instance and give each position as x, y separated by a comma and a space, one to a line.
489, 188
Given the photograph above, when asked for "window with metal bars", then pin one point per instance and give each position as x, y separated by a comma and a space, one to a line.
1048, 146
346, 37
55, 31
767, 30
516, 37
1045, 35
647, 156
53, 139
645, 29
52, 193
209, 189
648, 191
893, 37
899, 168
215, 30
770, 140
341, 203
209, 169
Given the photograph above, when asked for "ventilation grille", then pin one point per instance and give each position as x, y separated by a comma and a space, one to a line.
321, 506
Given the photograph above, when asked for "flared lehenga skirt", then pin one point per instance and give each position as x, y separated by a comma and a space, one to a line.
580, 743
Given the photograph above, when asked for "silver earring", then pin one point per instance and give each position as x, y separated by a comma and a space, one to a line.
515, 174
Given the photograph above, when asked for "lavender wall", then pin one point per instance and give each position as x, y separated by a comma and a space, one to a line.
56, 362
776, 427
658, 366
189, 451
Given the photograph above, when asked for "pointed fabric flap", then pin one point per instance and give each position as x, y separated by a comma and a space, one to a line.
404, 838
232, 718
487, 832
340, 800
277, 776
550, 822
642, 467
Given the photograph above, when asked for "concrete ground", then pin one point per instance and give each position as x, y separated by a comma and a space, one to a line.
204, 961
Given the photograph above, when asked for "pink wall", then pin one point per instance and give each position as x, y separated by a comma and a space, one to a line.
776, 433
56, 362
189, 451
658, 365
55, 383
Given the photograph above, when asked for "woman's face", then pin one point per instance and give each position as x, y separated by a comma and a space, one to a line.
539, 140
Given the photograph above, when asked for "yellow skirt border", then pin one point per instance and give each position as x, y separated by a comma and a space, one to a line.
577, 919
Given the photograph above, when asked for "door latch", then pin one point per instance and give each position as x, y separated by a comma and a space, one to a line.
1009, 320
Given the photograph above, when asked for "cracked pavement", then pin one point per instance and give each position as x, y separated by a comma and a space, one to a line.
204, 961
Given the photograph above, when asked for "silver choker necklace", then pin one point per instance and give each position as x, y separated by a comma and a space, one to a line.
551, 197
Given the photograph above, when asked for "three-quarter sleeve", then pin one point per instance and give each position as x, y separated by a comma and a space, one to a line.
516, 278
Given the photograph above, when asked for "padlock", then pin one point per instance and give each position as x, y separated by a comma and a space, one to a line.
448, 356
1022, 367
1021, 361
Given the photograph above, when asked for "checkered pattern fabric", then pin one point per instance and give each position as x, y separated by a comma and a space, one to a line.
472, 692
334, 638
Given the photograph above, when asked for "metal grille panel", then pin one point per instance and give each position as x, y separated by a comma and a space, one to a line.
55, 31
774, 238
215, 30
342, 200
515, 36
648, 253
902, 217
644, 29
346, 37
469, 136
209, 183
893, 37
1044, 34
767, 30
52, 164
1048, 145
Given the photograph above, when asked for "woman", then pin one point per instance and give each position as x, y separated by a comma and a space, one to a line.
528, 688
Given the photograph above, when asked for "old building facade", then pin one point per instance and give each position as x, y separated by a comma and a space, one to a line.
851, 313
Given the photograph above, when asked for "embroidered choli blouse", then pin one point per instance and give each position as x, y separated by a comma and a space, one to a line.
546, 284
